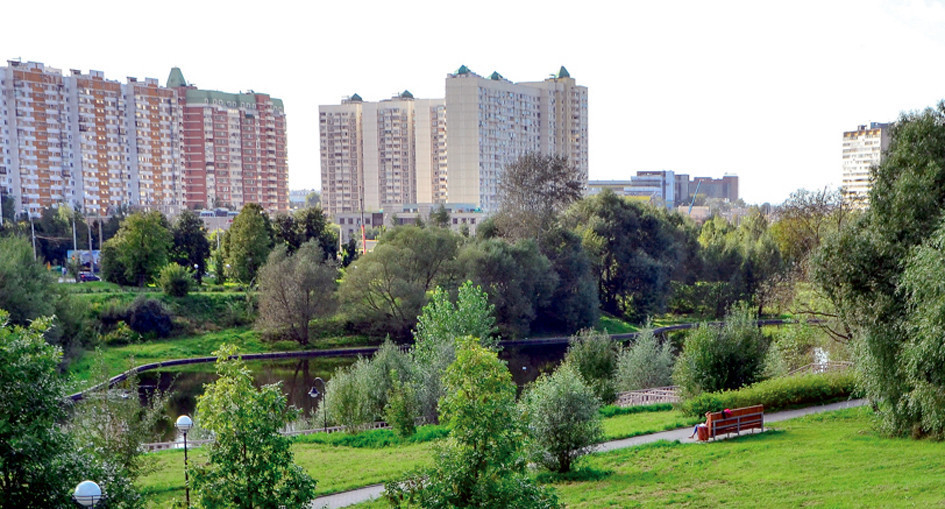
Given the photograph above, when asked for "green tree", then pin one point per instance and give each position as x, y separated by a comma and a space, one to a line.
594, 356
38, 465
440, 217
722, 358
313, 199
248, 242
533, 191
860, 270
563, 417
482, 462
574, 304
285, 232
645, 364
313, 225
191, 246
26, 287
140, 248
175, 280
294, 289
250, 462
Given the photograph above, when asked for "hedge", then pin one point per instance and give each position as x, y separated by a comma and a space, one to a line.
778, 393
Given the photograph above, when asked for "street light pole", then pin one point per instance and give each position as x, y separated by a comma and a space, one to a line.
184, 423
313, 392
32, 232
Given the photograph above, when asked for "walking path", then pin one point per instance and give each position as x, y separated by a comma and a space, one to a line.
374, 491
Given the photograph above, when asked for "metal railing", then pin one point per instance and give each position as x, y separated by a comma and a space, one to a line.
650, 396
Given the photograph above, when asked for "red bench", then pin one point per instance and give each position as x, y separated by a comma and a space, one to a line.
733, 421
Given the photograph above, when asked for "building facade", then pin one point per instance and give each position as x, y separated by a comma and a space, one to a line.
99, 145
668, 188
863, 149
403, 150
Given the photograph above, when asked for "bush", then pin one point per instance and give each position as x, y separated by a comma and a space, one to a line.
594, 356
778, 393
402, 408
121, 335
345, 397
175, 280
563, 419
792, 347
149, 317
645, 364
614, 410
718, 358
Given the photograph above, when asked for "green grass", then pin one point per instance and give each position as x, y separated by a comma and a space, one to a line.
827, 460
613, 325
642, 423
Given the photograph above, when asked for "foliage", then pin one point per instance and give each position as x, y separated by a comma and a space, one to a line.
250, 464
861, 270
533, 190
376, 438
386, 288
481, 464
614, 410
26, 287
563, 418
439, 326
778, 393
294, 290
149, 316
574, 304
350, 252
402, 407
191, 246
347, 397
37, 464
805, 219
113, 269
633, 250
141, 248
517, 277
120, 335
175, 280
594, 356
792, 347
644, 364
247, 243
112, 424
440, 217
715, 358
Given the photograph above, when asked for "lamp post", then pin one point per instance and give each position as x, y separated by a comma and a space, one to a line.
184, 424
313, 392
87, 494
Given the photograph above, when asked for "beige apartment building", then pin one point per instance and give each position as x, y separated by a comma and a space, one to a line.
862, 149
453, 150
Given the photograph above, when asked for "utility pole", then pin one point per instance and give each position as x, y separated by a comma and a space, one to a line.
91, 257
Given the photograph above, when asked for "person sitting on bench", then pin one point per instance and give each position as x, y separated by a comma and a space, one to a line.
695, 431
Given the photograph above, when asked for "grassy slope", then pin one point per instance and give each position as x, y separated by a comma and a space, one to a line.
830, 460
341, 468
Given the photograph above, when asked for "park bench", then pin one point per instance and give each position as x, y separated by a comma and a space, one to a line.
733, 421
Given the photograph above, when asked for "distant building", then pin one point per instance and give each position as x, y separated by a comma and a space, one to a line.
404, 150
862, 150
459, 215
668, 188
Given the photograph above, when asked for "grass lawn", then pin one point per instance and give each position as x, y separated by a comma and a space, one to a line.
339, 468
826, 460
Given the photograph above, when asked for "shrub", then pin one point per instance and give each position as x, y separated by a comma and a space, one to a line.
345, 397
718, 358
121, 335
175, 280
594, 356
778, 393
563, 419
645, 364
402, 408
791, 347
149, 317
614, 410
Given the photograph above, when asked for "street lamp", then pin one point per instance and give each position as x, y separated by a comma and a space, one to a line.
184, 424
313, 392
87, 494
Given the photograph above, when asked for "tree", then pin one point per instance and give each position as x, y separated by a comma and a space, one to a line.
645, 364
574, 304
563, 417
248, 242
250, 462
175, 280
191, 247
593, 355
517, 278
440, 217
38, 464
350, 252
481, 463
312, 225
722, 358
860, 270
26, 288
285, 233
140, 248
294, 289
438, 328
533, 190
805, 219
313, 199
385, 289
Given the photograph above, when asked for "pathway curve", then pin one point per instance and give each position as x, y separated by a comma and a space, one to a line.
374, 491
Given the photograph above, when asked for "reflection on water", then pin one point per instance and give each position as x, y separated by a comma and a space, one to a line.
297, 375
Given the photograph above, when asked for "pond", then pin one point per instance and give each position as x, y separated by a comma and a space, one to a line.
297, 375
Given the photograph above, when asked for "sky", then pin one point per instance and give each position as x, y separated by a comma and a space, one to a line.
759, 89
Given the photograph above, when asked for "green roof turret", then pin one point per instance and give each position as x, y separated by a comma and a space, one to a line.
462, 70
176, 78
496, 76
563, 73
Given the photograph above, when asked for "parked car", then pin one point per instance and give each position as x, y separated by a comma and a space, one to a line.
88, 276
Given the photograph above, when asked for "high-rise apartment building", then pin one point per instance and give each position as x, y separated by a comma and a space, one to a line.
100, 145
862, 149
405, 150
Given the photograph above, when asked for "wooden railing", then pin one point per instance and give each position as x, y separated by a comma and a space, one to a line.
648, 396
821, 367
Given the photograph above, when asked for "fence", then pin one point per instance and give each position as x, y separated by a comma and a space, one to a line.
648, 396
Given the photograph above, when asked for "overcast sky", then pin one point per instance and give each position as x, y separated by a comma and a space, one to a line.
763, 90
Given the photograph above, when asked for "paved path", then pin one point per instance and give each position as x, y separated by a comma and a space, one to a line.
374, 491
